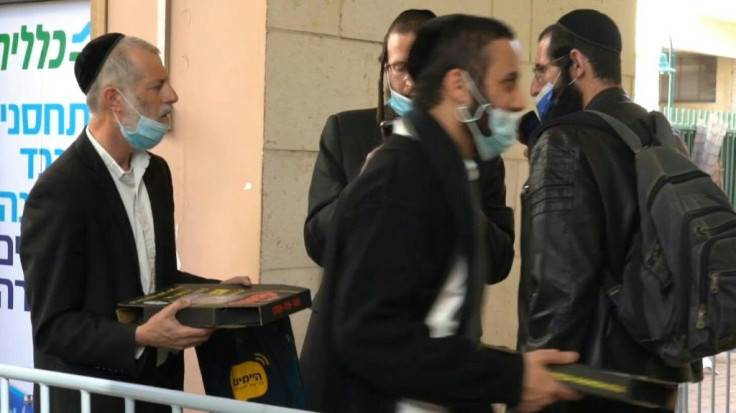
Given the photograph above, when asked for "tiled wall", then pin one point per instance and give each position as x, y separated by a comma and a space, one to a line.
322, 58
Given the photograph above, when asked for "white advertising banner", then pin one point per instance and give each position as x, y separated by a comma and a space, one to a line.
42, 111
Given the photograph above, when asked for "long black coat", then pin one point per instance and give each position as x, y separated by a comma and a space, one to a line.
79, 260
396, 230
346, 140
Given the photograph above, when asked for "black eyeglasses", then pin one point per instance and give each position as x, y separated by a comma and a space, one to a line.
539, 70
398, 70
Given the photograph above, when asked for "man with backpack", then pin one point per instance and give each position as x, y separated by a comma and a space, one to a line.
581, 217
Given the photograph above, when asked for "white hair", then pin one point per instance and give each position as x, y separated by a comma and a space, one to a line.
118, 70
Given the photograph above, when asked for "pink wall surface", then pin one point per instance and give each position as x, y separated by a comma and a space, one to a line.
215, 149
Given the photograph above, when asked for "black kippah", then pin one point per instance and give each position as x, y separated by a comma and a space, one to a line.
592, 27
92, 57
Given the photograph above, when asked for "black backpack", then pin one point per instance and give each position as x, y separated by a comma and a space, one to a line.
677, 295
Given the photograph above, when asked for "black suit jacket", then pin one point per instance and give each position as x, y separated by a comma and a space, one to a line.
79, 260
346, 140
396, 230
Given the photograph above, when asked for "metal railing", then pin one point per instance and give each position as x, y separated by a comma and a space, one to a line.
686, 121
713, 394
127, 391
688, 118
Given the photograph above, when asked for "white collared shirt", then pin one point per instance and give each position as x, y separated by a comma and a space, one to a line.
134, 195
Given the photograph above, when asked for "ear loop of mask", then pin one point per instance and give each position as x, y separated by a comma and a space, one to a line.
574, 79
554, 82
129, 103
567, 67
120, 93
387, 79
547, 66
462, 112
140, 115
547, 88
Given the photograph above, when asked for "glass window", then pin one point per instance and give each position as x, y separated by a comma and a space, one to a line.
695, 79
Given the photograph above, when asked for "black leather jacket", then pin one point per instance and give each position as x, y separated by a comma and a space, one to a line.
579, 212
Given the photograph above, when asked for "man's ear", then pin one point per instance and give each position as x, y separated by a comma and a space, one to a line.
110, 98
579, 64
455, 87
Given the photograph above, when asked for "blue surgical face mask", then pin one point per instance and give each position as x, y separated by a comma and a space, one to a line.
502, 124
399, 103
546, 97
148, 132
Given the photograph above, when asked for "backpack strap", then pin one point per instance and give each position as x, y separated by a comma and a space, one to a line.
600, 121
665, 135
627, 135
611, 283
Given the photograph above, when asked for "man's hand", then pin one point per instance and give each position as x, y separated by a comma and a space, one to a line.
164, 331
539, 386
244, 280
369, 157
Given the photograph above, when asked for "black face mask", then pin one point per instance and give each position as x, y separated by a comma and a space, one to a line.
567, 100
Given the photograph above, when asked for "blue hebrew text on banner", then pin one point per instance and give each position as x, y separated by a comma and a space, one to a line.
42, 111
